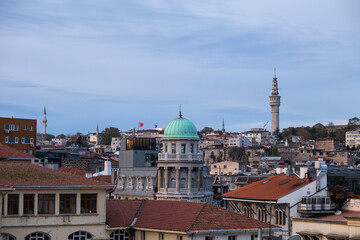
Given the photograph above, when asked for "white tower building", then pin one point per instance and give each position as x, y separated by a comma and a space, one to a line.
44, 121
274, 104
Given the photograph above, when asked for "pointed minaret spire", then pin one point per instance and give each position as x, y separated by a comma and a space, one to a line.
44, 121
180, 115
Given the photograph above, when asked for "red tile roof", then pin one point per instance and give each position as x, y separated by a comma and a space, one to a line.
74, 170
103, 178
177, 216
120, 213
7, 152
18, 175
271, 188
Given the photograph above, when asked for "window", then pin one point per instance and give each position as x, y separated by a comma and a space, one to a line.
88, 203
12, 127
80, 236
166, 150
180, 238
161, 236
67, 203
11, 139
29, 203
31, 127
231, 237
31, 152
37, 236
46, 204
5, 236
173, 148
25, 127
183, 148
119, 235
225, 166
13, 204
192, 148
143, 235
209, 238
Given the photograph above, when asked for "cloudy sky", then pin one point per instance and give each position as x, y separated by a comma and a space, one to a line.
117, 63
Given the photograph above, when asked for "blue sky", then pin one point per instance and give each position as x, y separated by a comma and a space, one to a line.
115, 63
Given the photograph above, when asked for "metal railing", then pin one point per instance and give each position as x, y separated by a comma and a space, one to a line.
179, 157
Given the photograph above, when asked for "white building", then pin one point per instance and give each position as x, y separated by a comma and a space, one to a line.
238, 141
352, 138
59, 141
257, 135
115, 144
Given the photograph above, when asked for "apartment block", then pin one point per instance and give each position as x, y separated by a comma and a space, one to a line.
19, 134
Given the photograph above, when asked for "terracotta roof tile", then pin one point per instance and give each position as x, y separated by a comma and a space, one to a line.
74, 170
271, 188
103, 178
177, 216
120, 213
7, 152
31, 175
215, 218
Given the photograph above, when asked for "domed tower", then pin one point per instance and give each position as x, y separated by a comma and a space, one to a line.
182, 174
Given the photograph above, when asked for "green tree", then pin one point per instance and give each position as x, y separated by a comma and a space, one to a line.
109, 133
236, 153
275, 151
206, 130
81, 142
45, 137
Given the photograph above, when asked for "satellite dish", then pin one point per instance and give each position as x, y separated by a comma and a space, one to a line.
295, 237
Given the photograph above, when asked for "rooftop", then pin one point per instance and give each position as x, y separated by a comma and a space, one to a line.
7, 152
177, 216
271, 188
20, 175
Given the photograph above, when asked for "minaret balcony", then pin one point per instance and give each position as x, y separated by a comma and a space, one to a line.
179, 157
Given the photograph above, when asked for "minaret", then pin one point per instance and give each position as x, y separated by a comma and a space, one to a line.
223, 127
97, 134
274, 104
44, 121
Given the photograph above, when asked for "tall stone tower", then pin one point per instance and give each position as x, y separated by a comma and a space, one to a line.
274, 104
44, 121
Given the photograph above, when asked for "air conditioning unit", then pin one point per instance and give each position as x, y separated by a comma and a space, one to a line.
317, 202
7, 131
31, 144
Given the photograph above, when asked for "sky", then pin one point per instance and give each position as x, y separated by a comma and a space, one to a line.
118, 63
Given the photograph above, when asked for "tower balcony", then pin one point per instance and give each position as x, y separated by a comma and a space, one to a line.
197, 157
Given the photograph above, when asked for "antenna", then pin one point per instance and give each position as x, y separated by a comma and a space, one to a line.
274, 72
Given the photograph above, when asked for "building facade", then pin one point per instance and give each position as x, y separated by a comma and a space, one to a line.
352, 138
19, 134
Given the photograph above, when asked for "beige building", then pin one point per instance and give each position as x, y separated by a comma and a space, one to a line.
352, 138
345, 225
327, 144
47, 204
224, 168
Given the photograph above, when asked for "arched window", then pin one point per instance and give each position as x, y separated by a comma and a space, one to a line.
182, 183
119, 235
172, 183
283, 218
6, 236
259, 214
80, 236
276, 217
37, 236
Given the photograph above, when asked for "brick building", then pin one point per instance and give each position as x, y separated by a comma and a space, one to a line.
19, 134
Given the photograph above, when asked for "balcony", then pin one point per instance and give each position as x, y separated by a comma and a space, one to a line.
311, 205
180, 157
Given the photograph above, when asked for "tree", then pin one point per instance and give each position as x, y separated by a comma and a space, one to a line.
81, 142
354, 121
109, 133
206, 130
275, 151
45, 137
236, 153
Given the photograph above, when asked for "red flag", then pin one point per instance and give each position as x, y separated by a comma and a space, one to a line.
155, 126
141, 124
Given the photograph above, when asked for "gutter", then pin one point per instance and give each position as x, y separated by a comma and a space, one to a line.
159, 230
65, 187
250, 200
7, 189
254, 230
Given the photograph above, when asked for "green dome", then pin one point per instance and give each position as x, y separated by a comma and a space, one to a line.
180, 128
